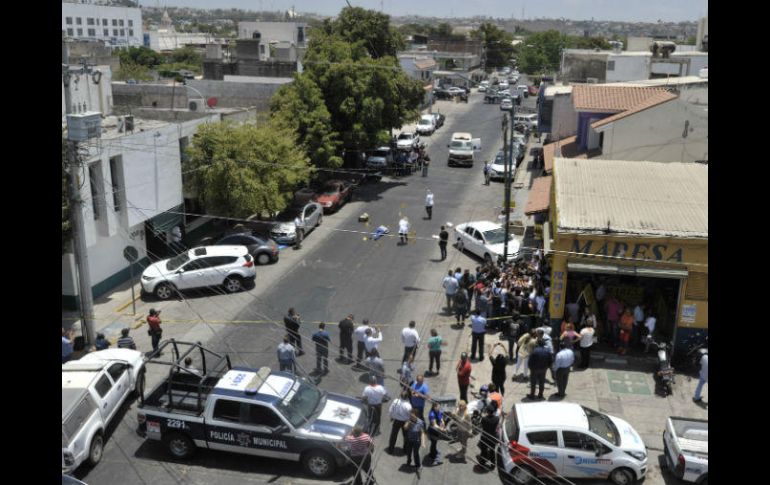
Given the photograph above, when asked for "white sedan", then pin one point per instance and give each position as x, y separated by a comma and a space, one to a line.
486, 240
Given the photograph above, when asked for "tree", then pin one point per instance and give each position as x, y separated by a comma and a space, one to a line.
364, 96
186, 55
300, 106
241, 170
372, 28
132, 71
589, 43
143, 56
497, 44
542, 50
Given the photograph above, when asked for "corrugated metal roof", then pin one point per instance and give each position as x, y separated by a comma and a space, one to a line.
629, 197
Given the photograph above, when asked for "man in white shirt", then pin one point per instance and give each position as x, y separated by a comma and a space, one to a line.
403, 230
360, 333
373, 396
451, 286
429, 204
411, 340
649, 328
400, 409
372, 339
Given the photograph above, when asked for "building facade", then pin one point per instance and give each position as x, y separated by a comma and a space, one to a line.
651, 247
114, 25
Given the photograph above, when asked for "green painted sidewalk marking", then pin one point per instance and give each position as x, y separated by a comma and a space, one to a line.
628, 383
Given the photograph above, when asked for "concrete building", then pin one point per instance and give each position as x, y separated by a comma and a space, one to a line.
418, 66
165, 38
115, 25
286, 41
556, 114
133, 192
90, 92
702, 37
591, 66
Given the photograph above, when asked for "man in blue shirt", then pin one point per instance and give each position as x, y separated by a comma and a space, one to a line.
66, 344
478, 330
322, 339
561, 366
420, 391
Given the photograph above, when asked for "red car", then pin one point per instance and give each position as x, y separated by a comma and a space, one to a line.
334, 194
534, 90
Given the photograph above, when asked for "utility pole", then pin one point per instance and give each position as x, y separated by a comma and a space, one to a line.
507, 150
76, 215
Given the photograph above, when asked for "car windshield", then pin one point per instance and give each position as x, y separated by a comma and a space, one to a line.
177, 261
300, 403
424, 122
496, 236
405, 136
602, 425
379, 153
289, 214
460, 144
331, 190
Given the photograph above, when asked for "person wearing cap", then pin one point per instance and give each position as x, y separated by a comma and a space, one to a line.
155, 332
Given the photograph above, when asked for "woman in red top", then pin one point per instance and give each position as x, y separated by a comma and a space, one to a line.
464, 376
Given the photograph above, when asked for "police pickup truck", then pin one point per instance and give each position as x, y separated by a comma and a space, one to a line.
250, 411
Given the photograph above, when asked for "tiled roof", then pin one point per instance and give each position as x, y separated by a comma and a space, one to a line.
611, 99
424, 63
629, 197
539, 196
566, 145
655, 100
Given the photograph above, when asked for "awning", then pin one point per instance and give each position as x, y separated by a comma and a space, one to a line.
616, 269
539, 196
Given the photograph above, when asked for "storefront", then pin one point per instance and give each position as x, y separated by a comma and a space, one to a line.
620, 226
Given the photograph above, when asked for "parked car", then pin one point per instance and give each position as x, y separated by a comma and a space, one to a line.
231, 266
567, 440
426, 125
506, 104
380, 159
462, 149
483, 85
407, 140
440, 93
263, 250
486, 240
497, 167
456, 91
440, 118
334, 194
284, 231
686, 447
523, 89
92, 391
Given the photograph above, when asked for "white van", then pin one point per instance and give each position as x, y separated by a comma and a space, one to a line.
523, 90
552, 439
426, 125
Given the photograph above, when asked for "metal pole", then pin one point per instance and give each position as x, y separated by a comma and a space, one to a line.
133, 298
507, 149
78, 229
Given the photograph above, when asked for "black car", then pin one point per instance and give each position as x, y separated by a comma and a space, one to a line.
441, 93
261, 249
439, 119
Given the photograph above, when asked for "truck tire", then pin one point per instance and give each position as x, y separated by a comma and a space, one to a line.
96, 449
319, 463
139, 386
522, 475
180, 445
622, 476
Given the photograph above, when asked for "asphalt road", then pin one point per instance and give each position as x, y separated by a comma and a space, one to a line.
340, 270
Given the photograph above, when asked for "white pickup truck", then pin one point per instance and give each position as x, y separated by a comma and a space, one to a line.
686, 446
92, 390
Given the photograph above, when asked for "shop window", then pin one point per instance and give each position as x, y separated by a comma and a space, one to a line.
697, 287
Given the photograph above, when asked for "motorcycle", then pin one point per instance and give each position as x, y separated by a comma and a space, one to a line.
664, 373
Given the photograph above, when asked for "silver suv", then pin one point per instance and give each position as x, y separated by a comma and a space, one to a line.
230, 266
285, 232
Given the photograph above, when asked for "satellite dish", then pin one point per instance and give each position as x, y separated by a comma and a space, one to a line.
212, 102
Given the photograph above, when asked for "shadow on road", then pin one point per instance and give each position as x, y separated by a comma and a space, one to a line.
370, 193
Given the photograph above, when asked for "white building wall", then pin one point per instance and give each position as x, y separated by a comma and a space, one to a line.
628, 68
152, 183
95, 97
273, 31
565, 118
130, 16
658, 134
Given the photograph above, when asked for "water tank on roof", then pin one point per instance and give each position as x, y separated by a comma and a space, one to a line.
662, 48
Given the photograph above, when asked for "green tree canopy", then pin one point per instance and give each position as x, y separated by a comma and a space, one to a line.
589, 43
300, 106
186, 55
241, 170
497, 44
372, 28
132, 71
143, 56
542, 50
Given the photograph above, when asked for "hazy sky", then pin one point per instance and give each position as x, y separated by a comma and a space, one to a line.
627, 10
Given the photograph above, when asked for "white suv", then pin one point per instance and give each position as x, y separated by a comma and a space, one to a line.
231, 266
571, 441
